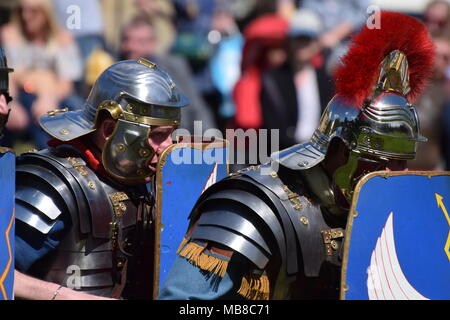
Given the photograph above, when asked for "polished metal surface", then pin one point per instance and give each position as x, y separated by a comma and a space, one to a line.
234, 241
127, 154
139, 96
53, 177
137, 88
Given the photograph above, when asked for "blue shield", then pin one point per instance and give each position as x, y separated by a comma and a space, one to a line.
397, 242
7, 189
185, 170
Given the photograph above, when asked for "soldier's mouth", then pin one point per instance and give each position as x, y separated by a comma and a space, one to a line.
152, 166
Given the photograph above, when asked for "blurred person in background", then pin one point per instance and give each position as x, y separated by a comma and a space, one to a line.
139, 39
264, 48
47, 62
437, 18
193, 23
225, 64
161, 13
430, 108
340, 18
292, 97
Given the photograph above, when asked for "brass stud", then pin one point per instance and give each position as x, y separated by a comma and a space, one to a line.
91, 184
120, 147
273, 174
144, 152
64, 131
119, 264
334, 244
147, 63
304, 220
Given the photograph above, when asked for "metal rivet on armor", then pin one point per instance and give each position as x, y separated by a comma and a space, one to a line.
64, 131
91, 184
303, 163
129, 108
120, 147
119, 264
304, 220
334, 244
144, 152
144, 110
273, 174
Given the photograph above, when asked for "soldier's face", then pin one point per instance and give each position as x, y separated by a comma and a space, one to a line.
160, 138
370, 164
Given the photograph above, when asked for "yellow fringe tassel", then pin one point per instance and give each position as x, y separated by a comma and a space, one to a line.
255, 287
194, 253
182, 244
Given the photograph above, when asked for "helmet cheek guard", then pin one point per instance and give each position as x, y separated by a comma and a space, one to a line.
127, 154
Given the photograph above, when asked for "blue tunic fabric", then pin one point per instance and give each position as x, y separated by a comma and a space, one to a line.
188, 282
32, 245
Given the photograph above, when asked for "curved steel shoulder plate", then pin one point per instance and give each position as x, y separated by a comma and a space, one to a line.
39, 200
45, 161
240, 221
33, 217
89, 191
272, 188
258, 205
306, 234
253, 208
233, 240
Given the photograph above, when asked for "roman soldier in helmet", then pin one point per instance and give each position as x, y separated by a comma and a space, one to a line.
261, 236
84, 206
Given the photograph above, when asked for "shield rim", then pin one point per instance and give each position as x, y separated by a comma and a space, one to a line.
201, 145
353, 214
9, 238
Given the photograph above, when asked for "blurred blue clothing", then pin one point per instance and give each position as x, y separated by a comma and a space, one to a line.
334, 12
31, 245
188, 282
200, 21
225, 68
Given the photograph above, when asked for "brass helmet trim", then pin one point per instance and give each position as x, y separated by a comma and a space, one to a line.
135, 113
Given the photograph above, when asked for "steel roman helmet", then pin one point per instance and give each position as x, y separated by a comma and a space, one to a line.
382, 73
139, 95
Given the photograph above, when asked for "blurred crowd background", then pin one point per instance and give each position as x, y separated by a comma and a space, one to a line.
250, 64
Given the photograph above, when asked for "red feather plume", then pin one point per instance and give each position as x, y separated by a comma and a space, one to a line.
360, 68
